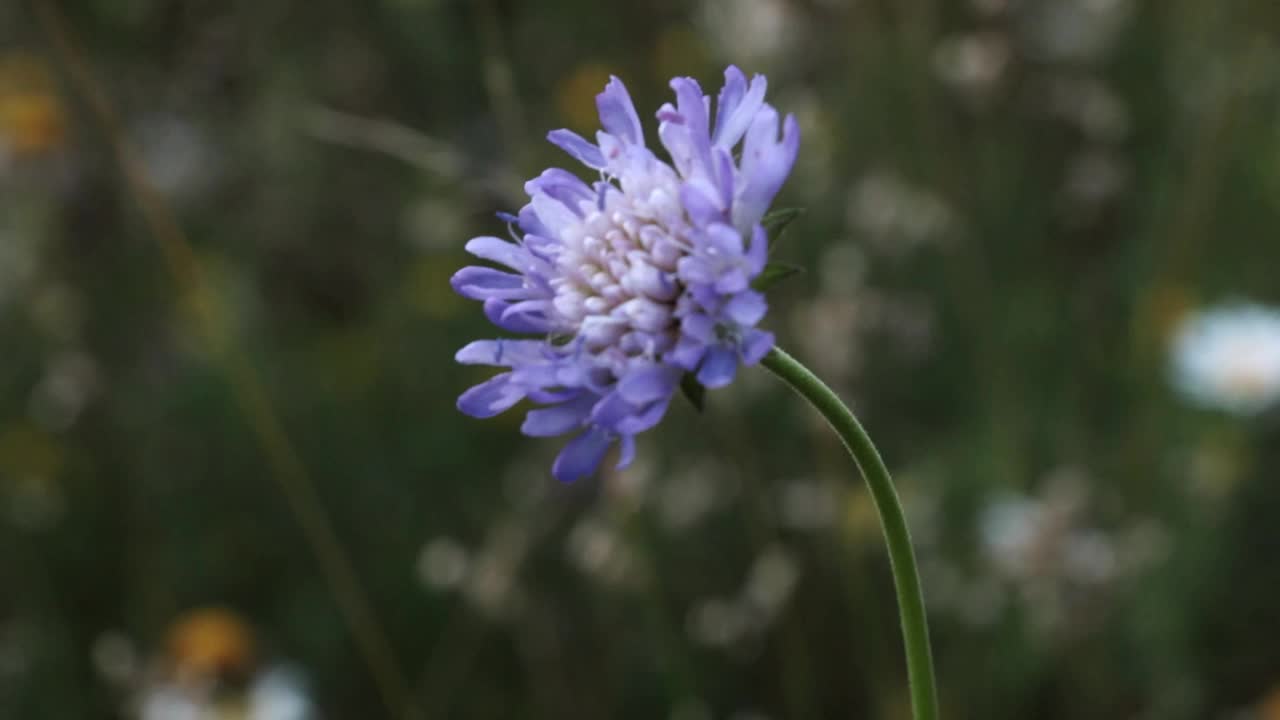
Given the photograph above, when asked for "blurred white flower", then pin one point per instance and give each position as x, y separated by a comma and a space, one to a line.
169, 702
1011, 528
807, 504
691, 493
33, 501
443, 564
718, 622
1075, 30
178, 156
972, 64
279, 693
115, 657
753, 31
1095, 177
1048, 552
64, 391
491, 584
1091, 106
1228, 358
894, 216
773, 576
826, 329
490, 587
595, 548
434, 223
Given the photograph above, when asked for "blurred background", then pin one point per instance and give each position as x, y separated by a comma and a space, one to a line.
1042, 262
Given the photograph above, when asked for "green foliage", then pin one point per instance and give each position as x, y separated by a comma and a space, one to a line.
693, 391
774, 273
775, 222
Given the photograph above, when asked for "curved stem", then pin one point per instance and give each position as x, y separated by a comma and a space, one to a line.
906, 578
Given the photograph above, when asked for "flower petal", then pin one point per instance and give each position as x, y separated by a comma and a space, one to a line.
766, 162
726, 240
502, 353
557, 420
687, 353
719, 367
733, 280
649, 384
482, 283
581, 456
499, 251
724, 177
702, 210
578, 147
557, 216
731, 94
530, 312
699, 327
643, 420
627, 453
509, 317
490, 397
737, 106
756, 345
758, 250
746, 308
692, 105
563, 186
692, 269
530, 223
611, 410
676, 139
618, 113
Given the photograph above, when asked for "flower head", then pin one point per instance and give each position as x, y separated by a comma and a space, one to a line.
637, 278
1229, 358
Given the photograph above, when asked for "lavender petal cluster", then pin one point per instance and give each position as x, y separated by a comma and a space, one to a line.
626, 284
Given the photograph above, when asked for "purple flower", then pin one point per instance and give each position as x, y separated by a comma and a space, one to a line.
637, 278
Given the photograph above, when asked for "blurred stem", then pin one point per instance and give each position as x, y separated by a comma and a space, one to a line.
499, 81
906, 578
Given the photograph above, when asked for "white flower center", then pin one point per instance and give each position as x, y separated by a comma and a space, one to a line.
617, 283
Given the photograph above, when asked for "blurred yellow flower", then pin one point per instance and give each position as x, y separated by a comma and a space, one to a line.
678, 52
209, 643
31, 115
576, 96
1269, 707
27, 453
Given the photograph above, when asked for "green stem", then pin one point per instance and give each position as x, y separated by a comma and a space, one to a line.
906, 578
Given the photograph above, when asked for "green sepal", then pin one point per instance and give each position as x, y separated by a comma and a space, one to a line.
776, 222
693, 391
774, 273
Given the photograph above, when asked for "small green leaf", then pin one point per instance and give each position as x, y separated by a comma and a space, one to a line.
777, 221
774, 273
693, 391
